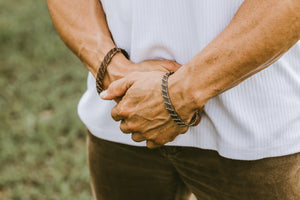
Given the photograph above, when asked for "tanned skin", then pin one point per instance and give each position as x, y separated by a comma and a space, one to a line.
83, 28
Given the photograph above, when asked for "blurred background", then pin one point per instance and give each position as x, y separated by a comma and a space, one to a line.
42, 140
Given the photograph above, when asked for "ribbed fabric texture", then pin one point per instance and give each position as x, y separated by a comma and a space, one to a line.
256, 119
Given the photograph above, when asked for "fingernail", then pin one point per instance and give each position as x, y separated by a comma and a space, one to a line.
103, 94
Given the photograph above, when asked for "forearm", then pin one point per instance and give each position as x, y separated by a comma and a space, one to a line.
82, 26
260, 32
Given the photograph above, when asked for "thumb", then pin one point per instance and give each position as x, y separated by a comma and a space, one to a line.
117, 88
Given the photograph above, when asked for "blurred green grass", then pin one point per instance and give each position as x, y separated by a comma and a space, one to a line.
42, 141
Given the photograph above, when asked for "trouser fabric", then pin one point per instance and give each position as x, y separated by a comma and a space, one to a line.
121, 172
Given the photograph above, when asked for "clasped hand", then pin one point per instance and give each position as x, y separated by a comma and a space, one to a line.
141, 109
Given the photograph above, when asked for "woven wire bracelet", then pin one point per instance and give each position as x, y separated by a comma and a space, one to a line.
169, 106
103, 66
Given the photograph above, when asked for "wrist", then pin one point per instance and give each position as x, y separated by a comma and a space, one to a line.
117, 68
102, 70
182, 101
170, 108
188, 93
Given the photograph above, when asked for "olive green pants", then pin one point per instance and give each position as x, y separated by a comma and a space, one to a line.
123, 172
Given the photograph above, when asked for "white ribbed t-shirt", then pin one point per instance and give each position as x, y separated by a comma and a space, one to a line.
258, 118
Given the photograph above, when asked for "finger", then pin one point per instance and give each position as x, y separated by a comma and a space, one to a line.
117, 88
152, 145
160, 138
118, 112
137, 137
124, 127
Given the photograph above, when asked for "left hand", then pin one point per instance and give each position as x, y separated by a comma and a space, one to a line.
142, 111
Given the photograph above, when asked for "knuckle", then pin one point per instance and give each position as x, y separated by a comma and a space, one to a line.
137, 137
123, 111
128, 127
124, 128
159, 142
134, 137
114, 114
149, 136
150, 145
132, 126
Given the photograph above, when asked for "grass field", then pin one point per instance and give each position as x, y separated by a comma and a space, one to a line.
42, 141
